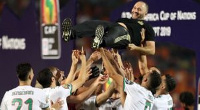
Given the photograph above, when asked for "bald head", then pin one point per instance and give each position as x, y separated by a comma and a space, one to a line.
139, 10
145, 5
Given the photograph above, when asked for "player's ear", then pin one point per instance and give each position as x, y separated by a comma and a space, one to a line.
53, 79
163, 86
145, 79
30, 77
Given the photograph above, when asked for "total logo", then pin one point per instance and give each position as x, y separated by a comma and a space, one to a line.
12, 43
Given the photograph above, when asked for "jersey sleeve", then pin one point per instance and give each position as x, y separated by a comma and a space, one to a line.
60, 92
149, 33
155, 104
66, 91
128, 85
43, 98
68, 87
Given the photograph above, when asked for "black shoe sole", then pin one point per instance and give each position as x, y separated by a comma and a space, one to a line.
98, 37
66, 28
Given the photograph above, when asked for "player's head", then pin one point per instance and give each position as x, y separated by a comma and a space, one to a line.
139, 10
46, 78
187, 100
58, 74
115, 95
169, 82
151, 80
24, 72
151, 69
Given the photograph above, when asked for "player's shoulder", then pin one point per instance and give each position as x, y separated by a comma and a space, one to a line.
150, 96
164, 97
66, 86
8, 93
168, 96
12, 90
38, 91
61, 90
128, 82
56, 89
34, 88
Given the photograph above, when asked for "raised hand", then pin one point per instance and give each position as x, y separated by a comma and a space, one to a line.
102, 79
129, 71
75, 56
82, 55
95, 56
57, 105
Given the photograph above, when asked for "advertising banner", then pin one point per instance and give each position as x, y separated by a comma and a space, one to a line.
50, 29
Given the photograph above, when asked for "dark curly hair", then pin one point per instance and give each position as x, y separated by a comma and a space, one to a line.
44, 77
170, 82
155, 80
23, 70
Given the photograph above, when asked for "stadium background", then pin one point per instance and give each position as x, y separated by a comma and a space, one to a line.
177, 43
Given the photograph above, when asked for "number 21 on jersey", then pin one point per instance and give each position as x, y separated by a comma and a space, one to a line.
19, 101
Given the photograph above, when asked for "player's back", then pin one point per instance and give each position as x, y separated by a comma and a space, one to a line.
58, 92
163, 102
24, 98
138, 97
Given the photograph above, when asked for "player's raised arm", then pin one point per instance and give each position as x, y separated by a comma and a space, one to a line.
86, 94
101, 98
83, 75
71, 75
111, 66
142, 63
129, 71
